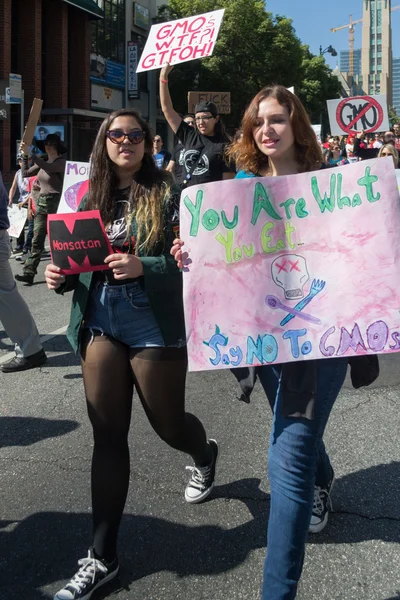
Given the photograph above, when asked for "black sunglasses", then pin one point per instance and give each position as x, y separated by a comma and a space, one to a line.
117, 136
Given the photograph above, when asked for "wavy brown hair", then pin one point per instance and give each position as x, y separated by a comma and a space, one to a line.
149, 188
249, 156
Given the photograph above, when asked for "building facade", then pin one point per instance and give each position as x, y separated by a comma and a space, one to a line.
345, 61
396, 85
79, 57
376, 60
47, 42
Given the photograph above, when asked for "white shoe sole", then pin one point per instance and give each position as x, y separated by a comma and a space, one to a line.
208, 491
101, 583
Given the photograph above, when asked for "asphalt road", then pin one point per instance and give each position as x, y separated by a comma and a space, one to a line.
168, 549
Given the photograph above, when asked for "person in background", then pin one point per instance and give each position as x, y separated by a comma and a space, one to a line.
19, 183
15, 316
204, 147
327, 141
367, 153
176, 164
351, 157
396, 133
334, 157
161, 157
33, 191
390, 150
50, 175
377, 141
127, 323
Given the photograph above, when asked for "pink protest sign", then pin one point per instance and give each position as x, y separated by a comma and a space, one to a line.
181, 40
292, 268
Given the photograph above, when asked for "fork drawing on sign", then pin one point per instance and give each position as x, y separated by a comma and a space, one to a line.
316, 287
274, 302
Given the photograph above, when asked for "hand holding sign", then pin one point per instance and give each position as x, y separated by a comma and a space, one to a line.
125, 266
54, 277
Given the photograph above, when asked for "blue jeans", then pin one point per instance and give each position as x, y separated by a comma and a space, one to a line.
124, 313
297, 459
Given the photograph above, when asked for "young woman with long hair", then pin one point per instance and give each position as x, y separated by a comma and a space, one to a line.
127, 323
389, 150
278, 140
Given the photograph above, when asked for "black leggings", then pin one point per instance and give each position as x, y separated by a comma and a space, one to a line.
111, 370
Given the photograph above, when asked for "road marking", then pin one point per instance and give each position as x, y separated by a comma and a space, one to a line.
43, 340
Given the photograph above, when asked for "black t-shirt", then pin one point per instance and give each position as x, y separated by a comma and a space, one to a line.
212, 165
178, 154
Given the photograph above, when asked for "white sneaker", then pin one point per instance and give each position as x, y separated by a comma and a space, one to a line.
202, 480
92, 574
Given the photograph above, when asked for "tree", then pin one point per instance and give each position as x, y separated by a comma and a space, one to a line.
393, 118
254, 49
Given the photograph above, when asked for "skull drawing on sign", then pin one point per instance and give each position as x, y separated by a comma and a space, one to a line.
289, 271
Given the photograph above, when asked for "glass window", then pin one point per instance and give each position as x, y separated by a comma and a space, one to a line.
108, 35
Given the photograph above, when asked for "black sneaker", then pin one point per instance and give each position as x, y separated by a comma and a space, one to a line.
25, 278
321, 506
202, 480
92, 574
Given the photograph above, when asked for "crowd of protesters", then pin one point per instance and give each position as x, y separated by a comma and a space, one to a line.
136, 182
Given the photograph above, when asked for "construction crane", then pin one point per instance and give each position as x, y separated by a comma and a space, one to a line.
351, 38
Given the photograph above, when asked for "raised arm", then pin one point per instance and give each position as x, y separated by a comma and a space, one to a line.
173, 118
58, 166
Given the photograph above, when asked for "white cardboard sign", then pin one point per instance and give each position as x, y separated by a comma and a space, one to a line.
359, 113
75, 185
17, 217
181, 40
317, 130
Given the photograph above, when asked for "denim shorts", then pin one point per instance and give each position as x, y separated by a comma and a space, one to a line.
124, 313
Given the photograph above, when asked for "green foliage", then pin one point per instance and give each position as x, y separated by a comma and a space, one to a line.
393, 118
254, 49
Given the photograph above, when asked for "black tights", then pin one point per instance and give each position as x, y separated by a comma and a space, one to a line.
111, 370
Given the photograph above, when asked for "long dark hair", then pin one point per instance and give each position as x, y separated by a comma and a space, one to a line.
250, 157
148, 189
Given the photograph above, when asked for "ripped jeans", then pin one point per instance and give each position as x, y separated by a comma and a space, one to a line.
124, 313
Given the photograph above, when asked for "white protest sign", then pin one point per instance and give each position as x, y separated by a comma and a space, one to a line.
181, 40
317, 130
75, 186
359, 113
17, 217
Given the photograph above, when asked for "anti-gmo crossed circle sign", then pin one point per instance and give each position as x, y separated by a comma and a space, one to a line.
359, 113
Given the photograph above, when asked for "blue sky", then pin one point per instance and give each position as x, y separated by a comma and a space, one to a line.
313, 19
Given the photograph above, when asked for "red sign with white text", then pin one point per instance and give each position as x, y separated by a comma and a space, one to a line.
181, 40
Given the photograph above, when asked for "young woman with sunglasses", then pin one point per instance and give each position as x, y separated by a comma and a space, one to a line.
278, 140
127, 323
390, 150
203, 157
334, 157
